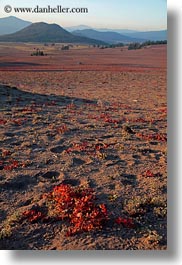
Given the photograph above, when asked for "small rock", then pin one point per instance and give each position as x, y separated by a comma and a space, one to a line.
127, 129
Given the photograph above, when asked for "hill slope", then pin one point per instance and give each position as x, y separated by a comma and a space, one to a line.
12, 24
82, 27
43, 32
108, 36
79, 27
150, 35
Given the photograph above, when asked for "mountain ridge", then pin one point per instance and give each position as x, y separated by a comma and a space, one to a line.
44, 32
11, 24
107, 36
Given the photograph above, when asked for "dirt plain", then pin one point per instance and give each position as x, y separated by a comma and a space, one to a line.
91, 118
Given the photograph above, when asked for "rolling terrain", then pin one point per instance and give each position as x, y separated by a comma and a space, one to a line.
43, 32
12, 24
83, 148
107, 36
9, 25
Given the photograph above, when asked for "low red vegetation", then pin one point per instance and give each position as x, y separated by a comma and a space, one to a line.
3, 121
149, 173
33, 215
125, 222
86, 147
153, 137
76, 205
11, 164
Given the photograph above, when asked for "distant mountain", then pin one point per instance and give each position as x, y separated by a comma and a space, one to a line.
79, 27
149, 35
121, 31
12, 24
18, 30
108, 36
43, 32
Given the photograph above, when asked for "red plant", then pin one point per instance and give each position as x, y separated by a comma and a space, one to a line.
51, 103
12, 164
78, 147
104, 117
29, 109
150, 174
62, 129
71, 106
19, 121
1, 165
155, 137
6, 153
33, 215
126, 222
85, 147
76, 205
99, 147
3, 121
164, 110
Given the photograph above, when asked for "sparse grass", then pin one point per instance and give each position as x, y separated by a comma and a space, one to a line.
56, 132
153, 236
142, 204
8, 225
5, 232
160, 211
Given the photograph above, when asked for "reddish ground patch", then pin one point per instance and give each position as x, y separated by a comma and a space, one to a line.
83, 59
99, 125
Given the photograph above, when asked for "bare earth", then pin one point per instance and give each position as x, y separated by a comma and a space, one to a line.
85, 117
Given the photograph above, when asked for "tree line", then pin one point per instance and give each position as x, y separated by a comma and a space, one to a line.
137, 45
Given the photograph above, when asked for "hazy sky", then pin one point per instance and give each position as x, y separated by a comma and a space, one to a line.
126, 14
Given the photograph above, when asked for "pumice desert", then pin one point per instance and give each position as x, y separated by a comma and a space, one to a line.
83, 139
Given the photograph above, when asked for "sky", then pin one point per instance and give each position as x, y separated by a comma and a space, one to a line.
141, 15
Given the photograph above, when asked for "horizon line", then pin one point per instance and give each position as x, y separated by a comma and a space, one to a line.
91, 27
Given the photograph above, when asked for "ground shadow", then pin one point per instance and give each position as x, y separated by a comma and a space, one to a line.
15, 96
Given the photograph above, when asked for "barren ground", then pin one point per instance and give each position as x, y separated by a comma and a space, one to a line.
88, 118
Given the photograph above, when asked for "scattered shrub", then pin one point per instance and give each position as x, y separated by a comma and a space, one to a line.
65, 48
38, 52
